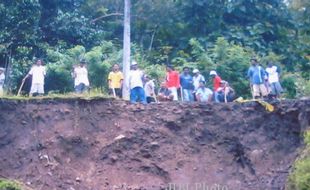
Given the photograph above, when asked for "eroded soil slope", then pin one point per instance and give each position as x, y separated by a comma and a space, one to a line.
107, 144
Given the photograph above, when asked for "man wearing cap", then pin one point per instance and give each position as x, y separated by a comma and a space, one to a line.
216, 83
38, 73
257, 76
81, 82
115, 79
186, 81
197, 78
173, 81
2, 78
137, 93
216, 80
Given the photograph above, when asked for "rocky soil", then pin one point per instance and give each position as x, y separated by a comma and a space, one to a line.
105, 144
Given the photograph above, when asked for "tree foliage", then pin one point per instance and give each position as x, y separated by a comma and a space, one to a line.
207, 34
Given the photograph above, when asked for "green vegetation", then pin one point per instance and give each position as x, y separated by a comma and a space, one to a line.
300, 177
9, 185
207, 35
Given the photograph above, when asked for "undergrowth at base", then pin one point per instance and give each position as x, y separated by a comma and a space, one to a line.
9, 185
300, 177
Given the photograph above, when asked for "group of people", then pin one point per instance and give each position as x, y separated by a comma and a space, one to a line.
176, 86
188, 86
264, 82
191, 86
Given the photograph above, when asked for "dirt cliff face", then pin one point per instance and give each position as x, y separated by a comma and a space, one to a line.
107, 144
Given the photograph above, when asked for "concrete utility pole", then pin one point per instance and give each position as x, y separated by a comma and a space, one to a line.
126, 49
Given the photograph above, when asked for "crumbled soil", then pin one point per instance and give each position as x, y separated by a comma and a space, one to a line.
103, 144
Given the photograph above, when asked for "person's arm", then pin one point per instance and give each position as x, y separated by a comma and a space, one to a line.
161, 95
152, 85
110, 80
203, 78
181, 80
2, 78
249, 75
278, 70
44, 71
121, 82
264, 74
29, 73
74, 73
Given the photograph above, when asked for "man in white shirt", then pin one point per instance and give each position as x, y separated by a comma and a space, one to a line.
81, 82
149, 88
197, 78
38, 73
273, 79
137, 93
2, 78
203, 94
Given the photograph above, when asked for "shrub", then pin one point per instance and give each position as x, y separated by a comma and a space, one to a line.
300, 177
8, 185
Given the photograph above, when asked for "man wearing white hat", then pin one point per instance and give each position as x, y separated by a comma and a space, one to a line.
2, 78
216, 84
137, 93
197, 78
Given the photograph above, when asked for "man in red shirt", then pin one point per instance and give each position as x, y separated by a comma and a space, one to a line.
173, 81
216, 83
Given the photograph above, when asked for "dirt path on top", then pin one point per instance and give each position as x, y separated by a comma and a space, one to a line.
107, 144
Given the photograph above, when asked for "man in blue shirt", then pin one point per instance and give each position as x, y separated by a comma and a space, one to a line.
186, 81
257, 76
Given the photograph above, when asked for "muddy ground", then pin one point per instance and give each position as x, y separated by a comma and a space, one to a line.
108, 144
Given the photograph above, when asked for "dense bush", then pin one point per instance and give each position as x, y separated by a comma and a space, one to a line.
229, 59
300, 177
8, 185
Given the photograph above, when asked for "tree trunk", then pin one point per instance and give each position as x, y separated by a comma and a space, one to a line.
126, 49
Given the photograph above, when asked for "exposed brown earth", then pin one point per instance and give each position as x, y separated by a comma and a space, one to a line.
105, 144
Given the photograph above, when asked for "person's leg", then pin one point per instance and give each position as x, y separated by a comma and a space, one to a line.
256, 91
279, 89
216, 97
148, 99
185, 95
118, 92
83, 88
194, 96
78, 88
263, 90
141, 95
33, 89
220, 97
174, 93
190, 95
41, 89
133, 95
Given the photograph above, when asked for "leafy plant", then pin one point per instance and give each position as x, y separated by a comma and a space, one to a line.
9, 185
